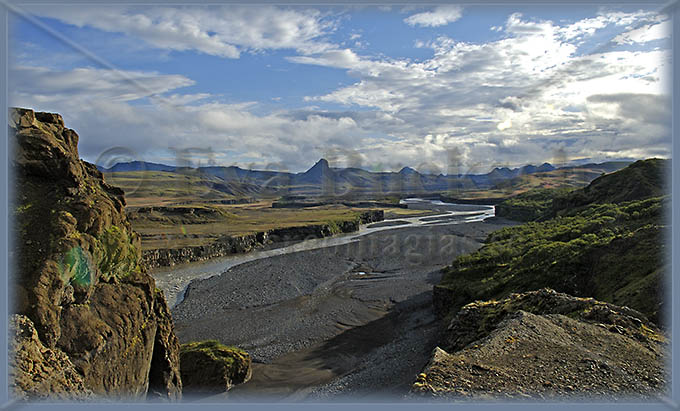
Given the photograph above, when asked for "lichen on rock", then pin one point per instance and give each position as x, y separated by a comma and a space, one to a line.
38, 371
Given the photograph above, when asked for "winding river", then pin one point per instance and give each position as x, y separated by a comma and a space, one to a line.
174, 280
349, 315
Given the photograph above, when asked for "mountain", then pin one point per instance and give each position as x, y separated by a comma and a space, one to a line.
320, 173
642, 179
136, 166
407, 171
531, 169
604, 241
325, 181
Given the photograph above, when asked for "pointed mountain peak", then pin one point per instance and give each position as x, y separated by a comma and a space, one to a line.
322, 164
407, 170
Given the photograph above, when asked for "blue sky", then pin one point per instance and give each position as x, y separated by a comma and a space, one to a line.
443, 88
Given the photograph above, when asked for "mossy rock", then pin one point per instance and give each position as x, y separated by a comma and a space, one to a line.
208, 367
78, 275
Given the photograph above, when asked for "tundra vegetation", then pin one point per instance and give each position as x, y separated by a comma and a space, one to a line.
606, 241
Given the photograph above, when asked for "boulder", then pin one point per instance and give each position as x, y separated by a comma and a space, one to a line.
209, 367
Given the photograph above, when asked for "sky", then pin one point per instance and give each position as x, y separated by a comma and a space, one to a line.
443, 89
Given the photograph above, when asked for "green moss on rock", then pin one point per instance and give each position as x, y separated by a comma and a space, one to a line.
211, 367
116, 253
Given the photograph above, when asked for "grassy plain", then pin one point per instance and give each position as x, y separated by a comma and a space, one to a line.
171, 210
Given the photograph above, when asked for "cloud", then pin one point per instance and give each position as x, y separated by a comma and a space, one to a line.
224, 31
94, 84
159, 124
646, 33
440, 16
523, 96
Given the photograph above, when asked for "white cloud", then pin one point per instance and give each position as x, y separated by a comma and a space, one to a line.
108, 111
440, 16
223, 31
93, 84
646, 33
521, 97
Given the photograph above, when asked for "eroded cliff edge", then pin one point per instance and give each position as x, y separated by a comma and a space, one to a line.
599, 335
545, 345
90, 319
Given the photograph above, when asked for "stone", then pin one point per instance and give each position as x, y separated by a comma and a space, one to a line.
36, 371
209, 367
80, 278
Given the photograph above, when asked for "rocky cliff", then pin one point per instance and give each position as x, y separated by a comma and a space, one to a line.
244, 243
89, 316
544, 344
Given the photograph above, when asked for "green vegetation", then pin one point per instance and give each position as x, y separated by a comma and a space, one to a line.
642, 179
116, 254
530, 205
215, 351
611, 252
610, 247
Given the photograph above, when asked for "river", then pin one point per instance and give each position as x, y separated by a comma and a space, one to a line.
174, 280
341, 317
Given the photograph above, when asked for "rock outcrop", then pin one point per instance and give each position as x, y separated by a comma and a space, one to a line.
544, 344
78, 277
209, 367
38, 371
244, 243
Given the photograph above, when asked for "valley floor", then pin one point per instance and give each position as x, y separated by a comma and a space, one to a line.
344, 322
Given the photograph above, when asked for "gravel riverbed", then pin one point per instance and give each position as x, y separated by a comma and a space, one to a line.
347, 321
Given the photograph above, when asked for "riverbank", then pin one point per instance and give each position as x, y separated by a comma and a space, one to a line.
312, 319
227, 245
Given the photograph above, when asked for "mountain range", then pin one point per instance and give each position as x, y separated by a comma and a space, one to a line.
323, 180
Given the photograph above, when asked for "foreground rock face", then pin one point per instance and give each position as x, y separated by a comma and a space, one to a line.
209, 367
38, 371
78, 277
245, 243
545, 344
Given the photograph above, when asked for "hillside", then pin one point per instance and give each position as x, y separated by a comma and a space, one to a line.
144, 179
642, 179
530, 205
543, 345
607, 248
540, 183
169, 187
597, 257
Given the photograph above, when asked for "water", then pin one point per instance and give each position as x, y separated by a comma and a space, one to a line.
174, 280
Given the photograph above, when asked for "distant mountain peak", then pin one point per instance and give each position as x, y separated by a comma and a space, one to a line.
318, 173
322, 164
407, 170
545, 167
